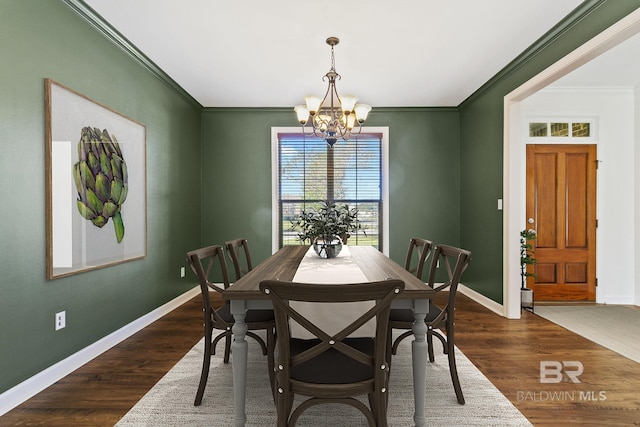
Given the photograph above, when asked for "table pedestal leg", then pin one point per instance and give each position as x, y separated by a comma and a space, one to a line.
419, 358
239, 352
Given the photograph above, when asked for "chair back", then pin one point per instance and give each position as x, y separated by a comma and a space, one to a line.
417, 254
455, 261
332, 366
238, 253
204, 262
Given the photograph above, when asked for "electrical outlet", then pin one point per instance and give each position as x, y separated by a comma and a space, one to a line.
182, 272
61, 320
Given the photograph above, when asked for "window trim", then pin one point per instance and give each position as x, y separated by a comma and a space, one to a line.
384, 130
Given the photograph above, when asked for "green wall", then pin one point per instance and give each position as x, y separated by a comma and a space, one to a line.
481, 139
40, 39
424, 174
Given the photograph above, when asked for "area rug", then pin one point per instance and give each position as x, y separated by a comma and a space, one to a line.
170, 401
613, 326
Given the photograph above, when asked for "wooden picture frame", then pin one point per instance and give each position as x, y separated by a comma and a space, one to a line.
95, 166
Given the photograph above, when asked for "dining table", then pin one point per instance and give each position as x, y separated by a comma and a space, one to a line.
373, 266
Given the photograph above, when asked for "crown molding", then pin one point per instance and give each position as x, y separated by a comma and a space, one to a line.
99, 23
577, 15
290, 109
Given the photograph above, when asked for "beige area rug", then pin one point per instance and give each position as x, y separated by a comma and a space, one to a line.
616, 327
170, 402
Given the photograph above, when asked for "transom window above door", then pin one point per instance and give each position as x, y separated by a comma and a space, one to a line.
581, 129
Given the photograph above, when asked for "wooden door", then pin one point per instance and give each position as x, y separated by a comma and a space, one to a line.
561, 207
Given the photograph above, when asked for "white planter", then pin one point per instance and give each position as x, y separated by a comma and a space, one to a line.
526, 298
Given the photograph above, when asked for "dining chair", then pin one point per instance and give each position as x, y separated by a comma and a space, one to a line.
332, 368
238, 252
417, 254
455, 261
204, 262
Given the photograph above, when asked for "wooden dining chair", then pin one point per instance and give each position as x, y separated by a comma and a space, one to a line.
455, 261
204, 262
417, 254
238, 252
332, 368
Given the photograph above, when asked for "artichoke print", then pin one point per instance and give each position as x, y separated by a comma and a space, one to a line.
101, 179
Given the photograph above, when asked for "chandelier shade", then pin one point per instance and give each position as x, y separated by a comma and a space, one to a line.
332, 117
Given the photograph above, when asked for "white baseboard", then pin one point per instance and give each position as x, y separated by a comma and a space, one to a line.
34, 385
604, 298
482, 300
617, 300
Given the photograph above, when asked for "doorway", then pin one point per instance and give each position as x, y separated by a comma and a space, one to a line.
621, 286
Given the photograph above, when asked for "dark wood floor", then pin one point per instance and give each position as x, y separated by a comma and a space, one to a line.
508, 352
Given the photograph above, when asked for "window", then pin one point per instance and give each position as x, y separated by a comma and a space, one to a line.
560, 129
307, 171
537, 129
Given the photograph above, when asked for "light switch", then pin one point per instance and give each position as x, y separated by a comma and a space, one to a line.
499, 204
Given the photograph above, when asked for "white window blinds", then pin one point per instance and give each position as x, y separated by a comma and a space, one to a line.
350, 172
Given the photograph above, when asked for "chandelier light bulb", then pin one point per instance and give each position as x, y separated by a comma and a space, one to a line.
313, 104
303, 114
348, 102
349, 121
362, 111
323, 122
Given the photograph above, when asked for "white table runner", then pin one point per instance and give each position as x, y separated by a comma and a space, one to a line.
331, 317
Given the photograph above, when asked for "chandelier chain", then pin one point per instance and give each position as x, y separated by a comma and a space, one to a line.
333, 60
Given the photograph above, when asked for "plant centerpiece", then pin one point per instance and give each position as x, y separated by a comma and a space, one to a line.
327, 227
526, 259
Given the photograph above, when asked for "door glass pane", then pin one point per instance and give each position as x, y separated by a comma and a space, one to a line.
537, 129
559, 129
579, 130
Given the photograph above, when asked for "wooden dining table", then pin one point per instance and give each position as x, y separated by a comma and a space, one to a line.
245, 295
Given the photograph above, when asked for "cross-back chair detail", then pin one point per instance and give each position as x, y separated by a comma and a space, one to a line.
204, 263
238, 252
332, 368
417, 253
454, 261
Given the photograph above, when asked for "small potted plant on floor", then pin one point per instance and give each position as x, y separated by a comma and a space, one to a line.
327, 227
526, 259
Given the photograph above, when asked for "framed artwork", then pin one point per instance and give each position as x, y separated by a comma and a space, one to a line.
96, 198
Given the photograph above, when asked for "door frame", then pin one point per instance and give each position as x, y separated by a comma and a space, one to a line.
514, 152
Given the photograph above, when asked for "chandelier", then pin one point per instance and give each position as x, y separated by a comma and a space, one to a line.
333, 116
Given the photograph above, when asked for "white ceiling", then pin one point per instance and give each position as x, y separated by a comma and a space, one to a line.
618, 67
401, 53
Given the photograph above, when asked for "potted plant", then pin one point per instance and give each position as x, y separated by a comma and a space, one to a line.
526, 259
326, 227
